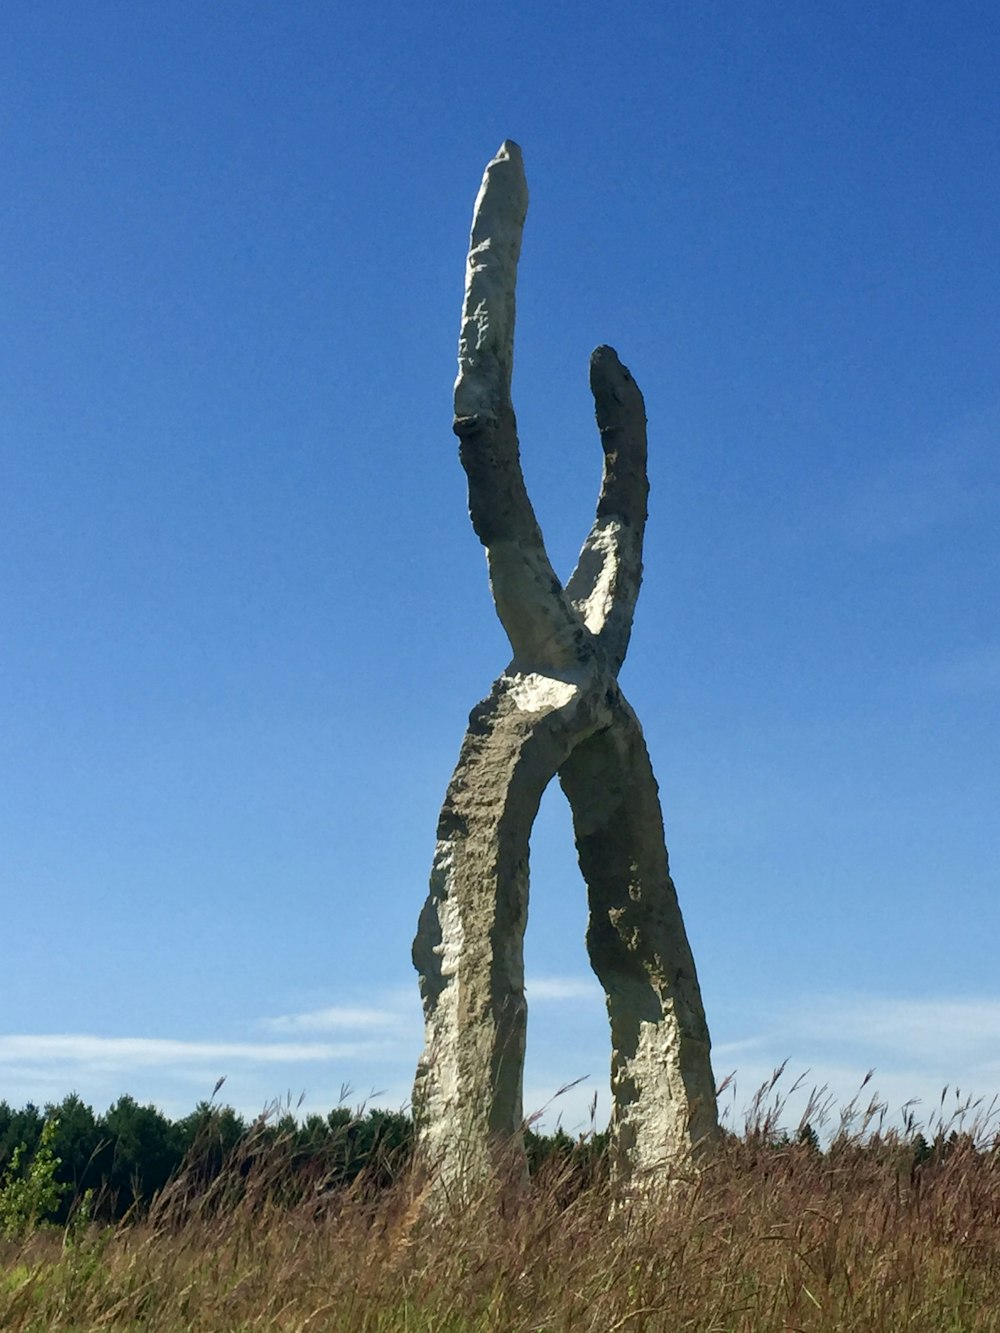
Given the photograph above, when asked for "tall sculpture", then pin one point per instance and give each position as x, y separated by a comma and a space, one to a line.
556, 709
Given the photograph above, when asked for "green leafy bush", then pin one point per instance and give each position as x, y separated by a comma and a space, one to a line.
29, 1192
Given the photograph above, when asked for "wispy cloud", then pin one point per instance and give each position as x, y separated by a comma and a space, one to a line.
128, 1052
562, 988
935, 1032
728, 1050
335, 1018
916, 1047
391, 1014
399, 1012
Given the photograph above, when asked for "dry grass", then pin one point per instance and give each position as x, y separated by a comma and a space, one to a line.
775, 1236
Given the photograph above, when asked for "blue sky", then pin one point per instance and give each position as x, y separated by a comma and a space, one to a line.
243, 613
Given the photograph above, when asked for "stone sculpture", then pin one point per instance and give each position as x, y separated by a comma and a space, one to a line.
556, 709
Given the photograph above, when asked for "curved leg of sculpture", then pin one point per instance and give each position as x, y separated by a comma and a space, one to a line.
664, 1111
469, 944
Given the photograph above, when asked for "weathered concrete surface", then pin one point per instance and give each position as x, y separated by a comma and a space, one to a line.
557, 709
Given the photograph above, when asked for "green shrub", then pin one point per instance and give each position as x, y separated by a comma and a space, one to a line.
30, 1193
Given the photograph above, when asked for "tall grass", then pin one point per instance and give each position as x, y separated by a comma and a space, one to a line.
880, 1229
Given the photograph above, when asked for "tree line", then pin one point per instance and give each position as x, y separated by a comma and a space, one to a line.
121, 1160
114, 1165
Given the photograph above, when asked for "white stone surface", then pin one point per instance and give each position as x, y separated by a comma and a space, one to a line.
486, 342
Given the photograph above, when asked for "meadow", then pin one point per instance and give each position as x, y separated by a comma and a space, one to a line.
858, 1227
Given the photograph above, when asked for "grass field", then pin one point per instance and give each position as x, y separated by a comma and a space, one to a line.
872, 1233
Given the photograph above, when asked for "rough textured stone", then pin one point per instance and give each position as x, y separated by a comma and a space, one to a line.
556, 709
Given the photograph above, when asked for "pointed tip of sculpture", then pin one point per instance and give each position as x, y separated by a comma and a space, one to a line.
609, 375
508, 166
604, 355
605, 366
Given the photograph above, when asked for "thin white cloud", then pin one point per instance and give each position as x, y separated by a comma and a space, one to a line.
392, 1013
915, 1045
828, 1093
128, 1052
931, 1031
562, 988
334, 1018
727, 1049
917, 1049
